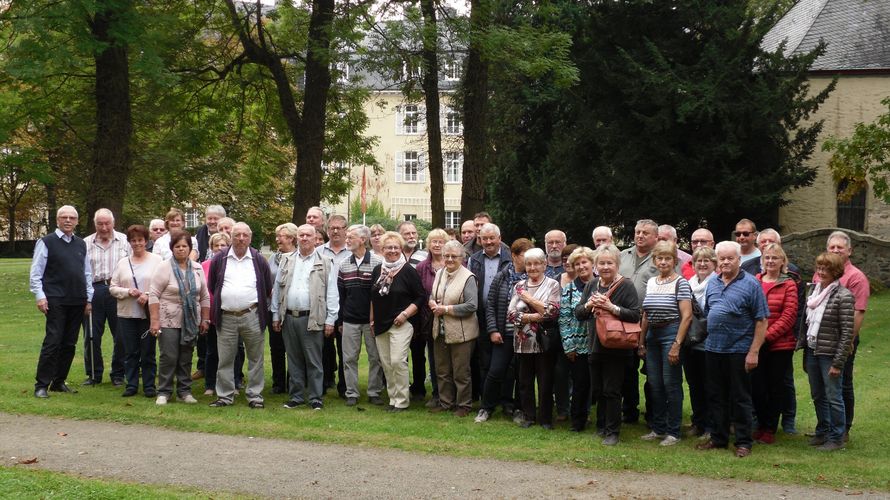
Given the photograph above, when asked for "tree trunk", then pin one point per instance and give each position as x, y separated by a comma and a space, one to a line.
310, 140
430, 84
52, 204
10, 216
114, 121
475, 93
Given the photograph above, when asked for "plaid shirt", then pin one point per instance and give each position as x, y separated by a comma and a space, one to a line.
104, 260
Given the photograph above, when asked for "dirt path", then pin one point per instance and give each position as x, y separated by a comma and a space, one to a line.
293, 469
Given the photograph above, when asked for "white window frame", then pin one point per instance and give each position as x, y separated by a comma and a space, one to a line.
409, 120
342, 68
413, 160
410, 71
451, 67
192, 217
453, 167
452, 218
452, 115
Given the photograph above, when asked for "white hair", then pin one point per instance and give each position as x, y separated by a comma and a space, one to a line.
840, 235
103, 212
770, 231
66, 207
490, 227
601, 229
215, 209
455, 246
156, 222
535, 254
670, 229
729, 245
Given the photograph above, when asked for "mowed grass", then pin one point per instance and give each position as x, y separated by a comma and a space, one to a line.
22, 483
863, 465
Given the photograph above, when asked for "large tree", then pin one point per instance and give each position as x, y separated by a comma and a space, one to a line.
679, 116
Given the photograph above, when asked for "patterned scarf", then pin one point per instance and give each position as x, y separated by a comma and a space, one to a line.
815, 309
388, 271
188, 294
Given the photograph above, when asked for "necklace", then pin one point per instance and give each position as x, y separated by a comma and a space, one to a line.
662, 281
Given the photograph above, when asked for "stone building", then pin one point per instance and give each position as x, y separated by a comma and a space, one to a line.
857, 33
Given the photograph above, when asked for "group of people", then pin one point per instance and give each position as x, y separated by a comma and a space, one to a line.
515, 327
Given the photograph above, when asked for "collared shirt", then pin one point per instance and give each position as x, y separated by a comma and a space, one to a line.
338, 257
38, 266
753, 255
732, 311
104, 259
239, 284
162, 246
298, 292
491, 269
554, 271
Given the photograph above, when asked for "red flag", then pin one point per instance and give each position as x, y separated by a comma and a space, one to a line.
364, 193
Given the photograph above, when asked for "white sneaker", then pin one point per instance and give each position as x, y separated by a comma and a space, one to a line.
188, 398
482, 416
669, 441
161, 401
705, 437
208, 392
652, 436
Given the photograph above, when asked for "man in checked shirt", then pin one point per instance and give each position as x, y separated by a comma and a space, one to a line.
105, 248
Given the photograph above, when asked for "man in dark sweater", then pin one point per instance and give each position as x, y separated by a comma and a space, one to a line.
61, 281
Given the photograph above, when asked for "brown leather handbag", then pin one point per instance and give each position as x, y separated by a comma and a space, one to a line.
614, 333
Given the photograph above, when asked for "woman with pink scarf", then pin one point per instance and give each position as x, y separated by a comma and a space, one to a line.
828, 341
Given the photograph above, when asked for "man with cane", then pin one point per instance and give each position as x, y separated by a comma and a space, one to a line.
61, 281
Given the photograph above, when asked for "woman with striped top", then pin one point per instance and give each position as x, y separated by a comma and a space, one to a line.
667, 314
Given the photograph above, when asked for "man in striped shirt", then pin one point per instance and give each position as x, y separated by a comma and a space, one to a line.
354, 284
105, 248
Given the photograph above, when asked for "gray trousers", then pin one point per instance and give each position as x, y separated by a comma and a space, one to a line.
175, 362
227, 333
304, 358
352, 349
453, 373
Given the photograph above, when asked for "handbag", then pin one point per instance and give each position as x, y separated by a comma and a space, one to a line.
613, 333
698, 328
548, 336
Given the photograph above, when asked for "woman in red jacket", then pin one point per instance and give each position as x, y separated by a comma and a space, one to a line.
768, 389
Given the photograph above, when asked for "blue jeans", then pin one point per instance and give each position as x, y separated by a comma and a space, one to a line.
140, 353
827, 393
665, 379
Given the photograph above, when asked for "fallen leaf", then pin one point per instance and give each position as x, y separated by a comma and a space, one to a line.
63, 434
592, 481
25, 461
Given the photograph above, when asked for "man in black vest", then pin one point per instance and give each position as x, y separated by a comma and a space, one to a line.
61, 281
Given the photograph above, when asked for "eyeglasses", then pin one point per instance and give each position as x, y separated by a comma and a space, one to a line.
335, 228
393, 247
744, 234
451, 257
158, 229
701, 242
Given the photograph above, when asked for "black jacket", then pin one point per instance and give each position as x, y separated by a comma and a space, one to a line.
625, 296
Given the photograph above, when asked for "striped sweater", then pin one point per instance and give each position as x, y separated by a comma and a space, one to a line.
354, 284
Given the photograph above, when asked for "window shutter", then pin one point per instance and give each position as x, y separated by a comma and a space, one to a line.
421, 167
400, 166
400, 120
421, 119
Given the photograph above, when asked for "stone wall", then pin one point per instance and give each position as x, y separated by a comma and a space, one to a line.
870, 254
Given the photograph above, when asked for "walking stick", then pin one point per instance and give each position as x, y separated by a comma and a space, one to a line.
92, 347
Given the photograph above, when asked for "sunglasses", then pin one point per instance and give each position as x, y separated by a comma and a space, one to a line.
742, 233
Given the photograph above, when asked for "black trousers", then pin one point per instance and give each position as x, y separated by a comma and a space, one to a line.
279, 360
104, 311
499, 376
481, 362
847, 387
729, 398
630, 392
696, 377
537, 367
580, 378
768, 389
59, 343
607, 373
562, 382
331, 352
418, 365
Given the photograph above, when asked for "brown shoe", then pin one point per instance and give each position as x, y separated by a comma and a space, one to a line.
461, 412
198, 375
438, 409
708, 445
742, 452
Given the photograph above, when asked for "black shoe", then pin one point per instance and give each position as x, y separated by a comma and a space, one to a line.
117, 382
316, 405
129, 392
290, 405
40, 393
257, 405
278, 390
548, 427
90, 381
351, 401
376, 400
395, 409
62, 387
151, 393
219, 403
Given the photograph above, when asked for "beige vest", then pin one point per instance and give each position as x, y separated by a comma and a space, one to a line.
457, 329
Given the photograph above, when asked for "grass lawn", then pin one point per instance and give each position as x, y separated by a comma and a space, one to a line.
863, 465
22, 483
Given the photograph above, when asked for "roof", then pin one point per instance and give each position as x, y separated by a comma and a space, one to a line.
857, 33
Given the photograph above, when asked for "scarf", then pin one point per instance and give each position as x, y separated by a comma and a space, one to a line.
515, 277
699, 289
388, 272
815, 309
188, 294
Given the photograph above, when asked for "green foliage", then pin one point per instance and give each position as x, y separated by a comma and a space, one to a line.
678, 115
375, 210
863, 158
